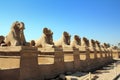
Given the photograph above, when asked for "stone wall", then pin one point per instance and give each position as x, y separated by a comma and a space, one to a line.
9, 74
62, 60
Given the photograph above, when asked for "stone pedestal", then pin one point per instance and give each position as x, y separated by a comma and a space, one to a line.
115, 53
85, 51
59, 61
93, 53
68, 59
118, 53
76, 59
93, 58
84, 58
57, 67
28, 63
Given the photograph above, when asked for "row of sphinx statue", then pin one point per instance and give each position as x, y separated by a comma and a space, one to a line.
16, 38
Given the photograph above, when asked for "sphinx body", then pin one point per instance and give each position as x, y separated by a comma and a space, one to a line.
76, 42
46, 40
15, 36
22, 36
64, 41
2, 40
91, 43
97, 44
85, 42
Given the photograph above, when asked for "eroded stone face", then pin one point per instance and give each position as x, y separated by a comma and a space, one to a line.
64, 41
46, 40
16, 35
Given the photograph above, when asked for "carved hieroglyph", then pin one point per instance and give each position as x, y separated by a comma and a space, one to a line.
76, 42
46, 40
16, 35
64, 41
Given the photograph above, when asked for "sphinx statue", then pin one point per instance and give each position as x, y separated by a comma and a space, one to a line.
32, 43
76, 42
85, 42
102, 47
16, 36
22, 37
106, 45
46, 40
92, 43
2, 40
97, 44
64, 41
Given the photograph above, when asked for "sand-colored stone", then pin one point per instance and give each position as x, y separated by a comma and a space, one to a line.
16, 35
2, 39
46, 40
76, 42
64, 41
44, 59
9, 62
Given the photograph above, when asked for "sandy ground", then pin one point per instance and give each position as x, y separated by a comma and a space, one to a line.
108, 72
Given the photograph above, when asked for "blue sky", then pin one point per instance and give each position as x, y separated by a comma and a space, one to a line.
94, 19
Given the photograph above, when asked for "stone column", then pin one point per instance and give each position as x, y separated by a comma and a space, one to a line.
100, 59
55, 68
106, 57
118, 53
115, 53
84, 58
103, 56
59, 61
28, 63
76, 59
93, 57
68, 59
